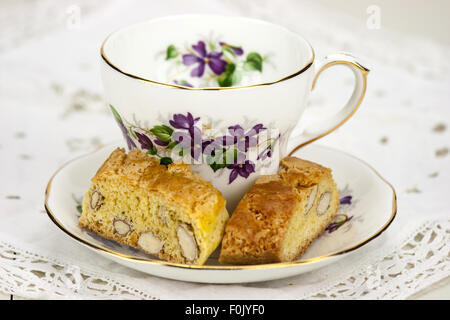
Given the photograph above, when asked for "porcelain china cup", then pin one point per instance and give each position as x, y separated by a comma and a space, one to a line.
222, 93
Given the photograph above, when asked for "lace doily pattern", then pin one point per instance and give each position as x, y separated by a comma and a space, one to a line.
33, 275
421, 260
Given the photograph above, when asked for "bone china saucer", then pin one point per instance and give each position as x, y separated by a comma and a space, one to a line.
368, 206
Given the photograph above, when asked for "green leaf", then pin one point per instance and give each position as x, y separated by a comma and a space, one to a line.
226, 78
163, 132
217, 157
221, 159
165, 161
211, 45
153, 151
171, 52
229, 50
172, 145
132, 133
183, 82
236, 77
253, 62
116, 114
230, 156
79, 208
216, 166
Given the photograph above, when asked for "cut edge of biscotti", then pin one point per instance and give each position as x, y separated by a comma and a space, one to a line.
309, 198
168, 212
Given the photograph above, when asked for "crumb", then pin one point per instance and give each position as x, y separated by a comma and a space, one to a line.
441, 152
433, 175
413, 190
384, 140
439, 128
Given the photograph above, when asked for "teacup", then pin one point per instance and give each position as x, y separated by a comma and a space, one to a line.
222, 93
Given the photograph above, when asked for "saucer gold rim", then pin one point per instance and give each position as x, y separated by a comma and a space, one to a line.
219, 267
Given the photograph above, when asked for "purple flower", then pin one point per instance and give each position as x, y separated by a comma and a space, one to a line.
267, 153
336, 225
183, 122
145, 141
241, 169
183, 83
206, 144
161, 143
190, 140
257, 129
237, 50
130, 143
346, 200
244, 140
212, 59
209, 146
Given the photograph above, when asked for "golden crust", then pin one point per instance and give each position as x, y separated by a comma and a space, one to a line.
259, 223
256, 230
148, 197
295, 171
177, 181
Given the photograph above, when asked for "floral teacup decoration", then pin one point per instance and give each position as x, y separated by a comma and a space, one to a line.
181, 139
226, 103
221, 63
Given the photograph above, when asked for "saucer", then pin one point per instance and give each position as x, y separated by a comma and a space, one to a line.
368, 206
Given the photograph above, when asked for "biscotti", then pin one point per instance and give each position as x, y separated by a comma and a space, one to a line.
281, 214
169, 212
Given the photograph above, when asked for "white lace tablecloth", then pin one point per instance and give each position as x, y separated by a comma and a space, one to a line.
52, 110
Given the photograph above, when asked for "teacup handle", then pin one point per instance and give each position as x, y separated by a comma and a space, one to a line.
323, 127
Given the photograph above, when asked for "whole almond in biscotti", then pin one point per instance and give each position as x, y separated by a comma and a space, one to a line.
96, 200
168, 212
150, 243
187, 243
121, 226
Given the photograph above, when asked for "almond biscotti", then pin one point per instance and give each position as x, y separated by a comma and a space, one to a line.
169, 212
281, 214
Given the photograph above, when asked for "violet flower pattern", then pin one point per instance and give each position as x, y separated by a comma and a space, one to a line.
145, 141
346, 200
130, 143
212, 59
241, 169
268, 151
341, 219
183, 83
182, 137
243, 140
236, 50
216, 60
181, 121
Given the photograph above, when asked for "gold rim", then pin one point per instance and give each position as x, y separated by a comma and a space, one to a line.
112, 65
364, 72
225, 267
